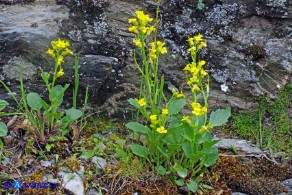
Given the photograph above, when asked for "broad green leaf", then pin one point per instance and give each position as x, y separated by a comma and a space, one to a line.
74, 114
189, 132
211, 157
34, 101
220, 116
3, 104
187, 149
87, 154
139, 150
71, 115
192, 186
179, 182
134, 103
175, 105
58, 94
3, 129
182, 172
160, 170
136, 127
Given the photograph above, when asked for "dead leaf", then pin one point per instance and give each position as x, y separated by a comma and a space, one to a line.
76, 132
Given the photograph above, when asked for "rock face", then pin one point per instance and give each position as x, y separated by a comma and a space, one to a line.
248, 54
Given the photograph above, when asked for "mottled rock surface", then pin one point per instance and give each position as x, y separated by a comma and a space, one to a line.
248, 54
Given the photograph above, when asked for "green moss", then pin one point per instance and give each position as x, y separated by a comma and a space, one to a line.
277, 123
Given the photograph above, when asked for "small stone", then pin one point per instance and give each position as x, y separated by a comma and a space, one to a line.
92, 192
45, 163
241, 145
100, 162
72, 182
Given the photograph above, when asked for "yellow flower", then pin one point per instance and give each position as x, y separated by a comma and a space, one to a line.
60, 44
137, 42
192, 50
66, 52
203, 129
143, 18
51, 53
165, 111
204, 73
150, 30
193, 79
191, 41
133, 29
161, 130
153, 118
60, 73
143, 29
197, 109
59, 60
133, 21
201, 63
141, 102
177, 94
158, 47
186, 119
198, 38
202, 44
195, 88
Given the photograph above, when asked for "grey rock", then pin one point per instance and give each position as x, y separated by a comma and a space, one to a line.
238, 193
93, 192
248, 54
11, 69
100, 162
241, 145
287, 182
72, 182
45, 163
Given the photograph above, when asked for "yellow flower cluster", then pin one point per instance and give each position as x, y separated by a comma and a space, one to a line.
195, 69
156, 48
197, 109
196, 43
177, 94
139, 24
60, 49
157, 121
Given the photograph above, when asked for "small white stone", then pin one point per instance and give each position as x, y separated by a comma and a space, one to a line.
224, 87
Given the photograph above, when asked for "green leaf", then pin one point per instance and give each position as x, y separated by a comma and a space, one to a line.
192, 186
34, 101
175, 105
179, 182
220, 116
48, 147
187, 149
136, 127
160, 170
74, 114
3, 129
3, 104
33, 120
134, 103
211, 157
207, 187
71, 115
58, 94
139, 150
87, 154
182, 172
